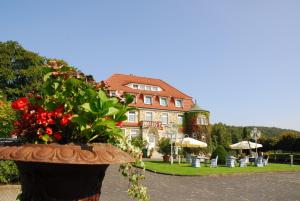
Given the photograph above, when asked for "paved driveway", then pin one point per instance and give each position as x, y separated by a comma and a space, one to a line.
256, 187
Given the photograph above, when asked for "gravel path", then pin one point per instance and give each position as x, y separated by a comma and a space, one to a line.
283, 186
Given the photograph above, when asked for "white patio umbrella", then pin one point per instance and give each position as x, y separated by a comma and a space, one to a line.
190, 142
245, 145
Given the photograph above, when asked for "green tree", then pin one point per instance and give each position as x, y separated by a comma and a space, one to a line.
288, 141
20, 70
220, 135
245, 134
221, 153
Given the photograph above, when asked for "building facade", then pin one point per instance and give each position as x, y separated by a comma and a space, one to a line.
160, 108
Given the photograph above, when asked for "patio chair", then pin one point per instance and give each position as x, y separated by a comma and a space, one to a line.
265, 161
230, 161
243, 162
259, 161
214, 162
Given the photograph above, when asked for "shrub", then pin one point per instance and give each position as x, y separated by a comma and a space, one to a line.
164, 145
139, 142
221, 153
7, 115
8, 172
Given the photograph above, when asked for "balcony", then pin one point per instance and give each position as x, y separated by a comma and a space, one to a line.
153, 124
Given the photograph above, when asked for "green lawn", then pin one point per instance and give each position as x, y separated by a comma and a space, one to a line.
186, 169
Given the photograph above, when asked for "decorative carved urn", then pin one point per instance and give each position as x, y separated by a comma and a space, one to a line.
53, 172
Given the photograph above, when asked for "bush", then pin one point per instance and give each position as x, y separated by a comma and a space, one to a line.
139, 142
7, 115
283, 158
164, 145
8, 172
221, 153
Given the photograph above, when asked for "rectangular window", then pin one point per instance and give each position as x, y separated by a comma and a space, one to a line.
113, 93
147, 87
148, 100
163, 101
164, 118
154, 89
142, 87
131, 116
180, 119
178, 102
135, 86
148, 116
134, 132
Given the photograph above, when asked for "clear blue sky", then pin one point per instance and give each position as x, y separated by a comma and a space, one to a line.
239, 59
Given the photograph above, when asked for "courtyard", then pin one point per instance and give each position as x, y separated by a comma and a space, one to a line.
247, 186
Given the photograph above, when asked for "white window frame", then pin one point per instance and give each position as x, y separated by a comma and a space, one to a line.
147, 96
133, 86
160, 101
163, 118
136, 133
154, 88
181, 102
113, 93
150, 115
180, 122
130, 115
148, 87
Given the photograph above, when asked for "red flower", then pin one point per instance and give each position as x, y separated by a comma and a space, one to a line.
66, 119
49, 131
58, 136
26, 116
120, 123
58, 111
20, 104
17, 124
50, 121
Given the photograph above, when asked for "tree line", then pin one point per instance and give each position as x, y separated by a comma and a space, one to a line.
272, 139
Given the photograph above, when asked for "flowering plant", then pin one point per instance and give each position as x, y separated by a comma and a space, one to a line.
73, 108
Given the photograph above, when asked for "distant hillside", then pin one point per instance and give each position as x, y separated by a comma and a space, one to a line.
271, 131
266, 131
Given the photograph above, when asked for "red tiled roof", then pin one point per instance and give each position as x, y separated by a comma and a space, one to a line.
118, 82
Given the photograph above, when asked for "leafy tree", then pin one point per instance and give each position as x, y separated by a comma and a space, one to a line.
288, 141
220, 135
139, 142
7, 115
20, 70
164, 145
245, 134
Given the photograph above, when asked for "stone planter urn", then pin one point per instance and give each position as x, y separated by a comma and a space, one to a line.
53, 172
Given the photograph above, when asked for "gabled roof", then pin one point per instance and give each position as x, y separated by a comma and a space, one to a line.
119, 82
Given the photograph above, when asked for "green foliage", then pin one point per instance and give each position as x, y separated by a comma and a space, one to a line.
164, 145
220, 135
221, 153
139, 142
8, 172
20, 70
7, 115
288, 141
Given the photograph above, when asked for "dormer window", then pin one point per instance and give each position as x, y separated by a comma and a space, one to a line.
148, 100
144, 87
178, 102
113, 93
135, 86
154, 88
163, 101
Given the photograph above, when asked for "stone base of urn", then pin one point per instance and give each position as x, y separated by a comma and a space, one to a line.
62, 172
